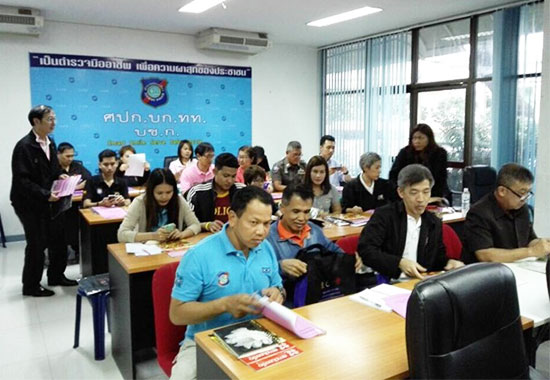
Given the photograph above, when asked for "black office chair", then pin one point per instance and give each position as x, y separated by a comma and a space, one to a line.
480, 180
169, 159
466, 324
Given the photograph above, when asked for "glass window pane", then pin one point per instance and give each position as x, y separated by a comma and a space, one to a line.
454, 180
485, 46
481, 152
527, 117
530, 39
444, 52
444, 111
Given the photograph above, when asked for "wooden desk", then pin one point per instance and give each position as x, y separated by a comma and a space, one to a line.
361, 342
95, 233
132, 323
334, 232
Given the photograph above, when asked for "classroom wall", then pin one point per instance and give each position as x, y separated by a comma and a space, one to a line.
285, 85
542, 196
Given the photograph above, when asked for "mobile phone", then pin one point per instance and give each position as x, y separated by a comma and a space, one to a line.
111, 197
169, 227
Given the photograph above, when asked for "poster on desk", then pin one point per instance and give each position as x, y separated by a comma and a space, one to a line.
105, 103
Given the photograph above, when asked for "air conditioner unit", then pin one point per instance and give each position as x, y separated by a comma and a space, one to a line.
232, 40
20, 20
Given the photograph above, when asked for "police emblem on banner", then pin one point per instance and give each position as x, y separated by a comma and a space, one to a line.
153, 92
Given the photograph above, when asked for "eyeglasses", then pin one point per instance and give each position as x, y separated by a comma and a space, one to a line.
523, 197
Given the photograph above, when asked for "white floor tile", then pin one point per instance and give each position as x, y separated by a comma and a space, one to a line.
21, 343
30, 369
77, 364
18, 311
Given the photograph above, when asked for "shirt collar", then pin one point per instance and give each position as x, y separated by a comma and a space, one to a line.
285, 234
40, 139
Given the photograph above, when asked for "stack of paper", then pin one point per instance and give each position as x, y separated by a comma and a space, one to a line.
110, 212
289, 319
65, 187
384, 297
140, 249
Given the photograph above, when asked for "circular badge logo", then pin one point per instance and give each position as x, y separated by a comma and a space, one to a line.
154, 91
223, 278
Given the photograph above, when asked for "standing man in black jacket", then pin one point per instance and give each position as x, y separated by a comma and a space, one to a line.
401, 239
34, 168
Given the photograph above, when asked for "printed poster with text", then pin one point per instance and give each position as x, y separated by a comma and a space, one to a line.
105, 103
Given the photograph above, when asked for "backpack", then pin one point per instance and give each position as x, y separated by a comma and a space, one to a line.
329, 275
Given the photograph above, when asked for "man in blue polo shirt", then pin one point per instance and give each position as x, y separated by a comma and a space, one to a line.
215, 281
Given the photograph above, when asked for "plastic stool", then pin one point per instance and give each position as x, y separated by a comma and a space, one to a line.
99, 299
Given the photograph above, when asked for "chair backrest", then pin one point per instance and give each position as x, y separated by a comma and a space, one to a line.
466, 324
452, 243
348, 244
167, 334
168, 160
480, 180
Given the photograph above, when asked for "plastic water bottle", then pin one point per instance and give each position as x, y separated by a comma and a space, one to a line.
465, 201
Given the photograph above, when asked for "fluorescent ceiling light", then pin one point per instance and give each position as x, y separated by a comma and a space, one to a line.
199, 6
350, 15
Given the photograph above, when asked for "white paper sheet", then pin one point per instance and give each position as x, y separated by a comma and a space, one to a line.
136, 165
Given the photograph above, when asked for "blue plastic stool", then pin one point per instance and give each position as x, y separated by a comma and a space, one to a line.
99, 299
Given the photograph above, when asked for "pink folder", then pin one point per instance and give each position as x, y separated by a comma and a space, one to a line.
110, 212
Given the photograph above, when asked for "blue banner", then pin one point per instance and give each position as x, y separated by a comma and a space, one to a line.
110, 102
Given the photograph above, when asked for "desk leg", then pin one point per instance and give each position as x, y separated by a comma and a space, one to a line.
207, 368
132, 320
85, 248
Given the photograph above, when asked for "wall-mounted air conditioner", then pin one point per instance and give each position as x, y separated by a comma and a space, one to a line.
20, 20
233, 40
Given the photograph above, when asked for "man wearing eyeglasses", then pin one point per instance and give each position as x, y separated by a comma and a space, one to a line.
498, 227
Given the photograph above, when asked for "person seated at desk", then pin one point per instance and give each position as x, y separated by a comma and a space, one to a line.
208, 290
65, 155
294, 231
498, 227
423, 149
368, 191
125, 152
106, 189
261, 159
210, 200
159, 206
289, 170
246, 157
199, 171
254, 175
184, 160
326, 198
402, 240
338, 172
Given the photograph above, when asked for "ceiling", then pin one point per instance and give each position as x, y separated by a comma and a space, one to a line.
283, 20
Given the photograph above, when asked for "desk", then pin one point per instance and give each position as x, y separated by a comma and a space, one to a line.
95, 233
361, 342
132, 193
132, 323
334, 232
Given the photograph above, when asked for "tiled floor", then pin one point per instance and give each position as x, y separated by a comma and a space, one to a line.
36, 334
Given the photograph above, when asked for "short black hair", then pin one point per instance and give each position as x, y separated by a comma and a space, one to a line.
511, 173
107, 153
38, 112
244, 196
299, 190
326, 138
226, 159
64, 146
203, 148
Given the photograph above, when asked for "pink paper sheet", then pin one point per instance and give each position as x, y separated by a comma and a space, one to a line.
110, 212
398, 302
291, 321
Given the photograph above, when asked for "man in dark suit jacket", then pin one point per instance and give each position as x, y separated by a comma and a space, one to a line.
34, 168
401, 239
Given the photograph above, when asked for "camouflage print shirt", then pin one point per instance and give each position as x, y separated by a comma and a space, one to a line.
287, 173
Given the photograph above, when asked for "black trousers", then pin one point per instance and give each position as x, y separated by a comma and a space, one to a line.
42, 232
